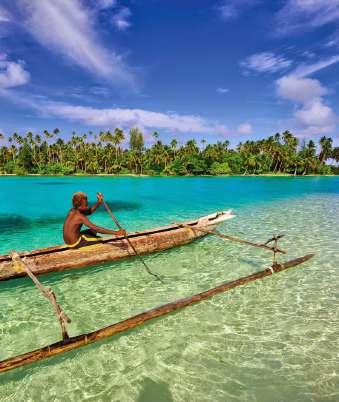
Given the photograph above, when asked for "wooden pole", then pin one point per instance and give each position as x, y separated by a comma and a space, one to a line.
130, 243
48, 293
139, 319
232, 238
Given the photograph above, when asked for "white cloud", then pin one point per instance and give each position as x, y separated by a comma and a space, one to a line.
245, 128
104, 4
4, 15
118, 14
265, 62
309, 54
12, 74
231, 9
333, 40
312, 116
100, 91
312, 131
120, 19
315, 114
305, 70
67, 27
306, 14
128, 118
221, 90
299, 89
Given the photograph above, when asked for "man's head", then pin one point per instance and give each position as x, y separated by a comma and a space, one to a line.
79, 200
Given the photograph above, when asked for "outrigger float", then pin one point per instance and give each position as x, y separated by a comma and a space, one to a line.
31, 264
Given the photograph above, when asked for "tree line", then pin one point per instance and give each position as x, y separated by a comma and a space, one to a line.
103, 153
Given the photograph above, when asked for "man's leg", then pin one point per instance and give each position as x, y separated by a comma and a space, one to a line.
90, 233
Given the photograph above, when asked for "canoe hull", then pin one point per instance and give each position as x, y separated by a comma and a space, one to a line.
62, 258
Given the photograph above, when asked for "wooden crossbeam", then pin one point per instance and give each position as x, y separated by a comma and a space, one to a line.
48, 293
232, 238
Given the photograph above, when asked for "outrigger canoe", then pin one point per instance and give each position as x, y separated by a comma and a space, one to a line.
61, 258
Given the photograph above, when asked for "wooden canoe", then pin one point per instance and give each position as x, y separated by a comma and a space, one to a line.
61, 258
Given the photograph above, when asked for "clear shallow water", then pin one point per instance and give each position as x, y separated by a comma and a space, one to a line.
275, 339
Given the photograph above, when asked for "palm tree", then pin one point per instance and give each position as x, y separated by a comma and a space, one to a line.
118, 138
335, 154
250, 163
107, 137
18, 139
136, 140
268, 148
277, 137
326, 149
310, 149
174, 145
308, 155
60, 145
290, 140
136, 143
226, 144
48, 136
191, 147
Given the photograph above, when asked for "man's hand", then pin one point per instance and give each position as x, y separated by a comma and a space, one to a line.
121, 232
100, 198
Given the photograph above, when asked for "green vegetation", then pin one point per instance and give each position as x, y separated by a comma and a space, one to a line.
103, 154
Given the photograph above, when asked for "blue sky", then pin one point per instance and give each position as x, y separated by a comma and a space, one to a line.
228, 69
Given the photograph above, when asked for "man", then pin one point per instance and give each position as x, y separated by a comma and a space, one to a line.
73, 236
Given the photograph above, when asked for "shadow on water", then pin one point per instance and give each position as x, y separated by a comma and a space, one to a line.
13, 223
54, 183
117, 205
154, 391
251, 263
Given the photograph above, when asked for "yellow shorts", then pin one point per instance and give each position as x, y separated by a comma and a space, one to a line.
84, 241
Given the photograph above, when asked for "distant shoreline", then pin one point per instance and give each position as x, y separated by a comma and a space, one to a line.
145, 175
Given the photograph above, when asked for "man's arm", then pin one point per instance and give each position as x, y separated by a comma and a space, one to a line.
97, 204
100, 229
94, 207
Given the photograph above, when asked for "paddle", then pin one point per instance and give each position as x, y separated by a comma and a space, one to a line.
129, 242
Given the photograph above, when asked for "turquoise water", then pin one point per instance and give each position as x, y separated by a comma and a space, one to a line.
273, 340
